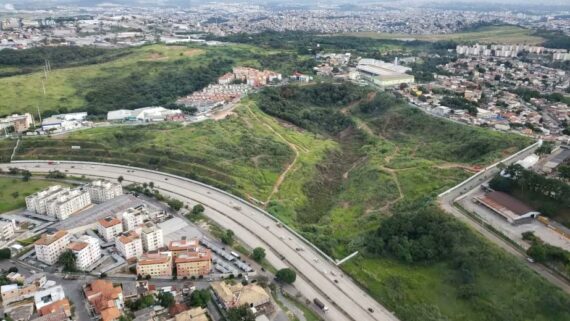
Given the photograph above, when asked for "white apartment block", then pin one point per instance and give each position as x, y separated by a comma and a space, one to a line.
37, 201
109, 228
152, 238
51, 245
68, 203
87, 251
103, 190
129, 245
7, 229
133, 217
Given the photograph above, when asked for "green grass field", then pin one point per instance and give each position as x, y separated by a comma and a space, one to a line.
490, 34
67, 88
14, 190
241, 153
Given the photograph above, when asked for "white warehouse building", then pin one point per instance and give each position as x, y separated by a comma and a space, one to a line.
146, 114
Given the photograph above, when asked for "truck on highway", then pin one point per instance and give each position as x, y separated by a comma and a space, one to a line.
320, 304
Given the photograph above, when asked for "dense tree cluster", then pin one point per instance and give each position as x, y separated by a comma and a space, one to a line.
424, 71
554, 39
313, 107
546, 253
5, 253
242, 313
380, 103
286, 275
425, 236
520, 179
29, 60
258, 254
200, 298
528, 94
165, 299
56, 55
228, 237
150, 87
457, 102
312, 43
67, 259
141, 303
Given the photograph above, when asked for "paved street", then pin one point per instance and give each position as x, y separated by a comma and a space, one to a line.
345, 299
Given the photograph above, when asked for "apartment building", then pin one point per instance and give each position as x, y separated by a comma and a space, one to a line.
68, 203
129, 245
37, 202
152, 238
109, 228
7, 229
51, 245
87, 251
106, 299
20, 123
195, 263
182, 246
155, 264
103, 190
133, 217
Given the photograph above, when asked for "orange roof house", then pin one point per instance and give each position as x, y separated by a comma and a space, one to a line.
106, 299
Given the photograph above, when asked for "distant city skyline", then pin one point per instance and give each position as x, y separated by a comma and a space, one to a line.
18, 4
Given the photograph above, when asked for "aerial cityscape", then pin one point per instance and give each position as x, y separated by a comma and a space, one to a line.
183, 160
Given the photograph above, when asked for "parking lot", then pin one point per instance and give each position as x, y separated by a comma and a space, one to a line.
514, 232
99, 211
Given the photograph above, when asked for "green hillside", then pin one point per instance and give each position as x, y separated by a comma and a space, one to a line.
351, 169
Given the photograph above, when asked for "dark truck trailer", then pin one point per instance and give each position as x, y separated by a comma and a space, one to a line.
320, 304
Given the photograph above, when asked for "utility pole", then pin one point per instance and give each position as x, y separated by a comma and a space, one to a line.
39, 115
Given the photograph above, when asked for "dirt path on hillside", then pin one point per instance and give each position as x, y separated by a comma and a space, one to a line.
467, 168
346, 110
291, 145
354, 165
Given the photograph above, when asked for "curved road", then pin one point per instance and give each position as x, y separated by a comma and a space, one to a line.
448, 198
346, 300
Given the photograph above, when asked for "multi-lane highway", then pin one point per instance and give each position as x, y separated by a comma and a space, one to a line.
318, 276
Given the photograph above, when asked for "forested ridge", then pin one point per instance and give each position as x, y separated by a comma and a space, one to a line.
30, 60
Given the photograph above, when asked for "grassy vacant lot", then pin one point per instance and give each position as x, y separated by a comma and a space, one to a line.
14, 190
241, 154
488, 34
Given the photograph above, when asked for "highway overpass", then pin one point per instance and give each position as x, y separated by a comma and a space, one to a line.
255, 227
